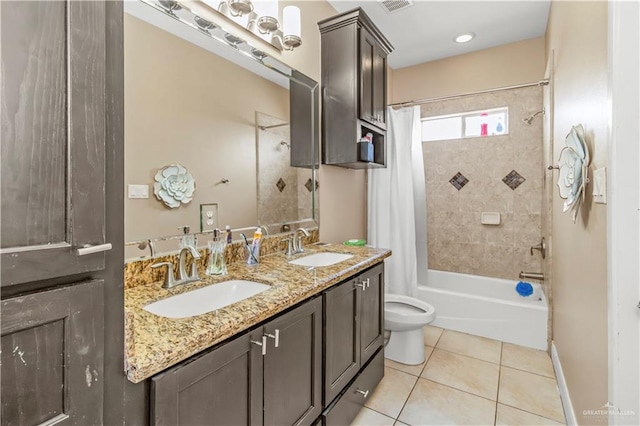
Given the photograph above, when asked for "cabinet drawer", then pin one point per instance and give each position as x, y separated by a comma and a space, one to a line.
349, 403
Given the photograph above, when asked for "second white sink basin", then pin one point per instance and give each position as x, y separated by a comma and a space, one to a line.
205, 299
321, 259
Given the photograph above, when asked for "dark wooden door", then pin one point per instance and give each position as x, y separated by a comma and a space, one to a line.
371, 312
293, 369
367, 53
341, 338
222, 387
52, 356
53, 138
379, 86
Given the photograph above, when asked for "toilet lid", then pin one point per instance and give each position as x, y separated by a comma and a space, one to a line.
402, 308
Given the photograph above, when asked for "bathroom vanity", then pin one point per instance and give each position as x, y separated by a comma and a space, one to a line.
307, 349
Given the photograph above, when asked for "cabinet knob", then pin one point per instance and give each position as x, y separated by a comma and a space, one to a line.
275, 336
363, 393
262, 344
362, 285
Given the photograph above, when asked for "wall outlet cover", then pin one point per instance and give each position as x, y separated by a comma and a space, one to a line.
208, 217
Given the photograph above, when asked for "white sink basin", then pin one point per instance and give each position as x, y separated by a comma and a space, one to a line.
321, 259
205, 299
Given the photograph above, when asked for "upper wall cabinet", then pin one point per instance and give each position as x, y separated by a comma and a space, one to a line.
53, 140
354, 89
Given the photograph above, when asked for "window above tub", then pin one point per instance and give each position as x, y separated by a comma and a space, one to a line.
488, 122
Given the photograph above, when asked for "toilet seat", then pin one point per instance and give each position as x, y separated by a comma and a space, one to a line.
404, 313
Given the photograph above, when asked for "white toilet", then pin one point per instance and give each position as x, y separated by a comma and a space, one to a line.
405, 317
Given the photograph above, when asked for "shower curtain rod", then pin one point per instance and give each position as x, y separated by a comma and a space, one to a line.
462, 95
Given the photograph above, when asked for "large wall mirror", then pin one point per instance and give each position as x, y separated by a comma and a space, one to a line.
201, 102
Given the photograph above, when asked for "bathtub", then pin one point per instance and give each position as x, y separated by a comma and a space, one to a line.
488, 307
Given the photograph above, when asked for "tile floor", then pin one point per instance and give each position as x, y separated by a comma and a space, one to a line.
466, 380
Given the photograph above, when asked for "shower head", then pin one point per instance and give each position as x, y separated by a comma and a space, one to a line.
284, 143
530, 118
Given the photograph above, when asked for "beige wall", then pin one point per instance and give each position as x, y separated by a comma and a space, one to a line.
511, 64
577, 39
456, 240
342, 191
181, 108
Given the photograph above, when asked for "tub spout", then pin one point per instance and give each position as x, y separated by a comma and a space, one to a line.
539, 276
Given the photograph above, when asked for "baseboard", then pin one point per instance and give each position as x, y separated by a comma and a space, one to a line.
567, 406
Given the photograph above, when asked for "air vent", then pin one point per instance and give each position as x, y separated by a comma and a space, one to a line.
392, 6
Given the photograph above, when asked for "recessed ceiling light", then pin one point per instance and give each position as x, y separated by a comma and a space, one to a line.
464, 38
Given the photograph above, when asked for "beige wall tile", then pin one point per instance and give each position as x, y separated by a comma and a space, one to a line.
485, 162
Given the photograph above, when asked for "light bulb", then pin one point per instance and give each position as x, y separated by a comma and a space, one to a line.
291, 21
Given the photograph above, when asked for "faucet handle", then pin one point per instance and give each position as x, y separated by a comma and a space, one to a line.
289, 251
194, 270
169, 278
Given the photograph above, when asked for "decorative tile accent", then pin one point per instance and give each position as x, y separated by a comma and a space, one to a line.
309, 185
513, 179
458, 181
281, 184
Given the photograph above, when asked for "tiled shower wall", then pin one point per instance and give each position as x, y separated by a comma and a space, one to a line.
456, 240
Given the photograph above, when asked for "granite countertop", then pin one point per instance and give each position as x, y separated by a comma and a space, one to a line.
154, 343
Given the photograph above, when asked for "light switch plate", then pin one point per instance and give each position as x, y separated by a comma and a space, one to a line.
600, 186
138, 191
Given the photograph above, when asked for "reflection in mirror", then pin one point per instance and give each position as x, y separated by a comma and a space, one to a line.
186, 105
284, 192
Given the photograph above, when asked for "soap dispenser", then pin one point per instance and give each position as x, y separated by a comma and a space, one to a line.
216, 264
187, 238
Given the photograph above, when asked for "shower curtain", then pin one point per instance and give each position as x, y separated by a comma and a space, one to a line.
396, 204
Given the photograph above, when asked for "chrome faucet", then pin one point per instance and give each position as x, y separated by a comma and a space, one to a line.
297, 240
183, 277
539, 276
170, 280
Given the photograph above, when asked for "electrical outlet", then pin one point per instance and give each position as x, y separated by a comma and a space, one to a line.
208, 217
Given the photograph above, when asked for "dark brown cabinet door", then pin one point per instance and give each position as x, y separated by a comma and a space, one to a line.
52, 357
354, 328
379, 85
371, 312
53, 138
293, 369
373, 78
222, 387
367, 49
341, 337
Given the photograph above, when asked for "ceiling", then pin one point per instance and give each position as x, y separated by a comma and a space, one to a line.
425, 31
